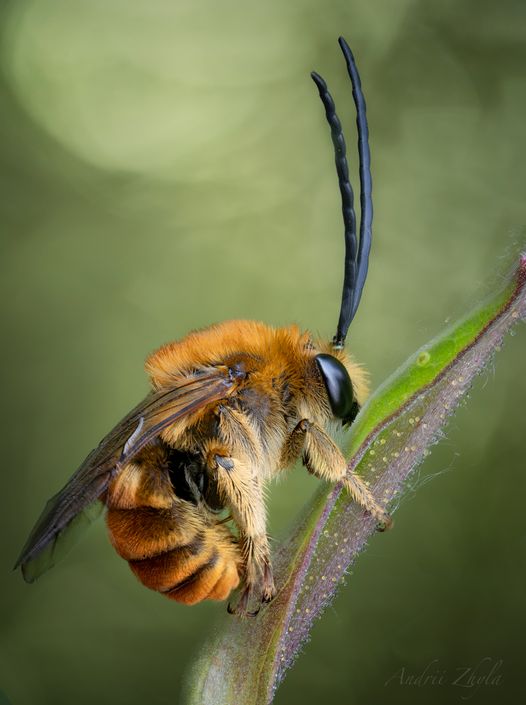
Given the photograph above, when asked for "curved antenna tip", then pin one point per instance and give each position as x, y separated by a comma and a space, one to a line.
356, 251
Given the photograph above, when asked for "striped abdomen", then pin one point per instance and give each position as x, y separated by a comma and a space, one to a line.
171, 545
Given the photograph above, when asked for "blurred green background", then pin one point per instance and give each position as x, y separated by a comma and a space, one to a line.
165, 165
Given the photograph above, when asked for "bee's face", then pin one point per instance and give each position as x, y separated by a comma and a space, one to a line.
333, 385
338, 386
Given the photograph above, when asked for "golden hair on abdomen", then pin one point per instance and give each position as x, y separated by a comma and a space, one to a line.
171, 546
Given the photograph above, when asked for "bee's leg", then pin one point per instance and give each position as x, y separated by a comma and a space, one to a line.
243, 493
324, 459
294, 444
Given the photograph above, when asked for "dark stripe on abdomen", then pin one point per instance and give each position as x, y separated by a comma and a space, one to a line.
193, 577
179, 553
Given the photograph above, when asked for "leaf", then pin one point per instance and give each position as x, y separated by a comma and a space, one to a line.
246, 661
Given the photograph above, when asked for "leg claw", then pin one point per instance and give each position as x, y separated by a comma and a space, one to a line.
269, 589
241, 608
385, 523
239, 612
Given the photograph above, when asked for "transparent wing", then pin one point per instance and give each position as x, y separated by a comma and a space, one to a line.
77, 504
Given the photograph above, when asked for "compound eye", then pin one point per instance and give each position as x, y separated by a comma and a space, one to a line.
338, 385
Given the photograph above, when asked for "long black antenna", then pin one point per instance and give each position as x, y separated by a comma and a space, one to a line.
356, 253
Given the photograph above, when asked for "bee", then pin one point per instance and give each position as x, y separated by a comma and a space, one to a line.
231, 406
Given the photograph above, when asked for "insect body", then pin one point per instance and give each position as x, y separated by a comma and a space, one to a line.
231, 406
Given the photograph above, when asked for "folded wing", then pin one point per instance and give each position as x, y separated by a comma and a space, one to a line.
78, 503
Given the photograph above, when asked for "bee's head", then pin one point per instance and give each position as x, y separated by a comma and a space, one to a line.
345, 384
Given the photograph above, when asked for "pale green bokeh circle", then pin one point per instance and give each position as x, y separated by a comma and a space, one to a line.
136, 89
